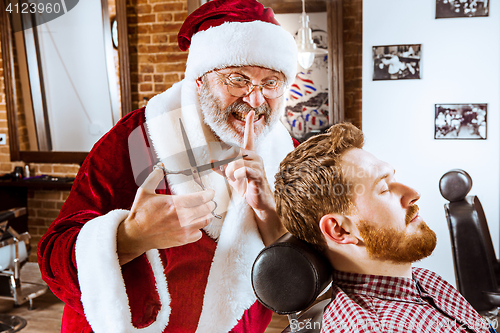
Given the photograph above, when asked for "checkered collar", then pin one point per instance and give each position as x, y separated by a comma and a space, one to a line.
379, 286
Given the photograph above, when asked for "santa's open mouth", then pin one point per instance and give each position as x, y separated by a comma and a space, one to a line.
242, 116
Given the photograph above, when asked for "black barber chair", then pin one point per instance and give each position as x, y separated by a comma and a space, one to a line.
477, 269
287, 277
14, 252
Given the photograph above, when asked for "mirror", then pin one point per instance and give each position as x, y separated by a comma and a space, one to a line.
65, 83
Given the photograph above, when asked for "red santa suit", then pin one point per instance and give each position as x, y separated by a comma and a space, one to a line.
200, 287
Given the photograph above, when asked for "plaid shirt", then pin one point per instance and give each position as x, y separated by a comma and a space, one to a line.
372, 303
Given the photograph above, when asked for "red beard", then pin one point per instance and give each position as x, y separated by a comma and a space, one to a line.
398, 246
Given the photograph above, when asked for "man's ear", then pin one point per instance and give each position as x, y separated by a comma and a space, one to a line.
336, 228
199, 83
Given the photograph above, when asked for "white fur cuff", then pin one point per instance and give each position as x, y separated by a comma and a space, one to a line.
104, 296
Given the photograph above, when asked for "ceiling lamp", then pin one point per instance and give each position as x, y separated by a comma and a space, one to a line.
307, 48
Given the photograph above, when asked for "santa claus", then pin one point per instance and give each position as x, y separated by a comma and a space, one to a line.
137, 248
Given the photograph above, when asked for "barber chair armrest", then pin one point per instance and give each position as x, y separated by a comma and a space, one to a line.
493, 298
309, 321
496, 269
9, 214
7, 231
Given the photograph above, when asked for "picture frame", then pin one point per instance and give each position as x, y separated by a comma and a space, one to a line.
466, 121
462, 8
396, 62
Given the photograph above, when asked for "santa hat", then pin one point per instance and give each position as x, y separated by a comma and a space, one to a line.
224, 33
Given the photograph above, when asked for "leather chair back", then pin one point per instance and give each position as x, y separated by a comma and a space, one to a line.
473, 253
288, 275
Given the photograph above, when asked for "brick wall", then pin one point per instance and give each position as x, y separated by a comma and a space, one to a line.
156, 63
44, 206
353, 47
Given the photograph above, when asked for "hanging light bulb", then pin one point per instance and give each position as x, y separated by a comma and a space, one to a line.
305, 44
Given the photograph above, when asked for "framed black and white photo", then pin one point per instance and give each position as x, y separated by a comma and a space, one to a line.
460, 121
462, 8
396, 62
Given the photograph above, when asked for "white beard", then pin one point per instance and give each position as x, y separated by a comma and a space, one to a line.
216, 118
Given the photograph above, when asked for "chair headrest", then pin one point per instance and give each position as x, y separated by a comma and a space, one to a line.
455, 185
288, 275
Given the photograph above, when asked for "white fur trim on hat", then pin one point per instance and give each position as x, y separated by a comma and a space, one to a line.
255, 43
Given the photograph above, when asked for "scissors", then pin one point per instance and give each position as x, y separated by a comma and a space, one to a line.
195, 169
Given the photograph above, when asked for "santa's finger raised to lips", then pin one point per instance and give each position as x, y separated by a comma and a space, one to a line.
249, 138
238, 171
248, 150
247, 175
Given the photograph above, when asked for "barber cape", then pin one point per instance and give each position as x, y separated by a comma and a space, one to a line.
228, 291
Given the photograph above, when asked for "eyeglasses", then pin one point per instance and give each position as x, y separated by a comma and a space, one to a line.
238, 86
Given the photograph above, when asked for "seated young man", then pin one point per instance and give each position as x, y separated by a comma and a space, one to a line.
347, 203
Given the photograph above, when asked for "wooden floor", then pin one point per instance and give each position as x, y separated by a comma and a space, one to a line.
47, 309
47, 313
44, 318
278, 324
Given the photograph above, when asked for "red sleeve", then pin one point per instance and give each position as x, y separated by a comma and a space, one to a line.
105, 182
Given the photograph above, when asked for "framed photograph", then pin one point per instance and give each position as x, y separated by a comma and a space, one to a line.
462, 8
460, 121
396, 62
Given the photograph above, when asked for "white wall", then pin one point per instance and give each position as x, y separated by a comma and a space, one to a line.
460, 64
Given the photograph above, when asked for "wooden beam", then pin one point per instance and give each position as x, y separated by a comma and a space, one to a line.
336, 61
295, 6
123, 57
192, 5
10, 93
53, 156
